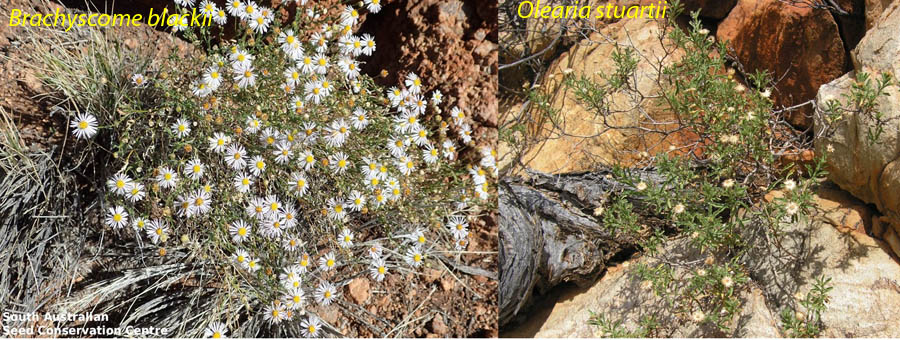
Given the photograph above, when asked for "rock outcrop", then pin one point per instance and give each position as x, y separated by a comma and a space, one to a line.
800, 47
580, 137
868, 169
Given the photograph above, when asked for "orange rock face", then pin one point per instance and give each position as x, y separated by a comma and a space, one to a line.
800, 47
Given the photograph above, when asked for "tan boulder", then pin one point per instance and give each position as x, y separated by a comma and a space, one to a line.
868, 169
580, 137
874, 9
800, 47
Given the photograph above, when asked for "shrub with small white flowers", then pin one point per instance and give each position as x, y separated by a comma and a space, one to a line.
710, 188
283, 169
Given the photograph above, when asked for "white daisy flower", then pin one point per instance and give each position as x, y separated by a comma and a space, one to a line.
339, 163
272, 226
201, 202
240, 257
282, 153
234, 156
293, 300
220, 17
368, 43
357, 200
345, 238
307, 160
325, 293
84, 125
327, 262
336, 209
430, 154
320, 64
252, 264
167, 177
139, 224
215, 330
242, 182
138, 80
458, 226
244, 76
375, 250
275, 313
311, 326
414, 257
304, 263
118, 184
449, 149
240, 231
291, 243
212, 77
194, 169
218, 142
289, 215
378, 269
117, 217
257, 165
182, 127
158, 231
337, 133
413, 83
360, 120
299, 185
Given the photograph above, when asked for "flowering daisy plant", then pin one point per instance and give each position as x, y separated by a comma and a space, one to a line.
272, 162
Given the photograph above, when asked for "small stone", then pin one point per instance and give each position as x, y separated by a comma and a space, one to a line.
432, 275
358, 289
438, 326
448, 283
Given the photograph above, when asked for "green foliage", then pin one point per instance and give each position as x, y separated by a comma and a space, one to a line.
808, 324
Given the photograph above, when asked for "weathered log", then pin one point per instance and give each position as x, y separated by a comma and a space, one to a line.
549, 234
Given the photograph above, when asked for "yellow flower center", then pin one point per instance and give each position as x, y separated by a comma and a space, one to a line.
270, 140
167, 176
330, 263
297, 297
216, 335
342, 163
322, 61
242, 231
260, 164
198, 202
117, 217
338, 208
421, 239
245, 181
417, 258
181, 128
310, 159
301, 183
289, 39
237, 155
381, 270
240, 258
247, 74
83, 125
327, 294
241, 57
